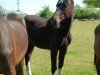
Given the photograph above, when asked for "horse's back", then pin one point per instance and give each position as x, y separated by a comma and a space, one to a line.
15, 17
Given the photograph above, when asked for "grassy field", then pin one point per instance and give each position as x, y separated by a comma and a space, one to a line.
79, 58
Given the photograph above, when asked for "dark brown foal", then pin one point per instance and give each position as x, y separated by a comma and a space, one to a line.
53, 34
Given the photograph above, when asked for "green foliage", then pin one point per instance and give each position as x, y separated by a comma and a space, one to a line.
98, 13
93, 3
46, 12
86, 13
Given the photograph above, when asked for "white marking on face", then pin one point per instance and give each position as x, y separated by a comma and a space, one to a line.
28, 69
61, 1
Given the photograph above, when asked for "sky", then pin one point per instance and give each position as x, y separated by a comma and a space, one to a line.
32, 6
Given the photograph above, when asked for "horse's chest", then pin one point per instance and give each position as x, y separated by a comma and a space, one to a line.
60, 40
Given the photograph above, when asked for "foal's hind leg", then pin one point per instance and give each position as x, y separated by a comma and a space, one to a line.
62, 53
27, 59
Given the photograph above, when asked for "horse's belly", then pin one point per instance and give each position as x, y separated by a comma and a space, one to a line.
42, 44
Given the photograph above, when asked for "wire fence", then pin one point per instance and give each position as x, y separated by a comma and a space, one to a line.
2, 10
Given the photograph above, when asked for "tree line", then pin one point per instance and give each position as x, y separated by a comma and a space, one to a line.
79, 13
86, 13
91, 11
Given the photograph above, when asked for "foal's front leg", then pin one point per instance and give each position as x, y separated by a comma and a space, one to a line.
27, 59
54, 61
62, 53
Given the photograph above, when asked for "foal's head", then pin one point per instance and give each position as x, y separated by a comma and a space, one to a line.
64, 10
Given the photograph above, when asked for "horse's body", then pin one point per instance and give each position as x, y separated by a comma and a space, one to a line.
97, 49
13, 44
53, 34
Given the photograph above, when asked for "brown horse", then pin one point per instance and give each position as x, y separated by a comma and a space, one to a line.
13, 44
97, 49
53, 34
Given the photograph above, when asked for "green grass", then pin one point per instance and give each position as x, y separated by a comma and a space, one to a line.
79, 58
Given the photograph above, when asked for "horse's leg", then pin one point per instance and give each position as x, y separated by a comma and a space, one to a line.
19, 68
97, 55
97, 63
11, 71
62, 53
9, 67
27, 59
53, 61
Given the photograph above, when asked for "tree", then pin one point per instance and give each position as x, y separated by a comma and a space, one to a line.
46, 12
98, 14
92, 3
